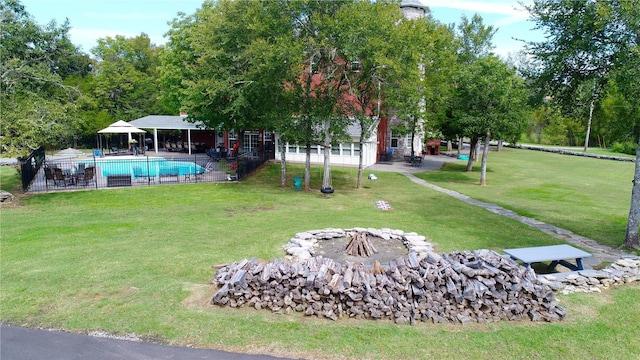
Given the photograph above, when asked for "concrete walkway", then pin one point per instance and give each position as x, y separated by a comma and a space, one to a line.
601, 253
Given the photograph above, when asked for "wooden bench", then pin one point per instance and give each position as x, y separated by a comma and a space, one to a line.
557, 254
118, 180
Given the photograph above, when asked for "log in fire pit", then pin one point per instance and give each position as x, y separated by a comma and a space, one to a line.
360, 245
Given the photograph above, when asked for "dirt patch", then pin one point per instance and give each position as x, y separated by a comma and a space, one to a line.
387, 250
247, 210
201, 295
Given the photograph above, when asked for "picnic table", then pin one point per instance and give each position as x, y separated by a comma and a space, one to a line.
557, 254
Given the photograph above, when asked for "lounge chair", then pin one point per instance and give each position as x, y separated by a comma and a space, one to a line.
170, 172
87, 176
140, 174
209, 167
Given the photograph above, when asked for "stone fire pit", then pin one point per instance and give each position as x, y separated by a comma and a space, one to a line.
411, 284
331, 243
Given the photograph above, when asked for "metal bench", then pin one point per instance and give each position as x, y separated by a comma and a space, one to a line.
166, 174
118, 180
557, 254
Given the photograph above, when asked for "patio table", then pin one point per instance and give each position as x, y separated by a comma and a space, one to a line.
557, 254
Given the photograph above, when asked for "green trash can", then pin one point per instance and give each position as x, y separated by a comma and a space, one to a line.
297, 183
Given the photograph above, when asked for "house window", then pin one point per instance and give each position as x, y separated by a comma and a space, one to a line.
250, 141
335, 149
394, 140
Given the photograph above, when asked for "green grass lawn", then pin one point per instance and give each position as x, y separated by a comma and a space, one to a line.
139, 260
9, 180
590, 197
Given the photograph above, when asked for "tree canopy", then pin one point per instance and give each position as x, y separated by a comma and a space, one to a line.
38, 107
592, 45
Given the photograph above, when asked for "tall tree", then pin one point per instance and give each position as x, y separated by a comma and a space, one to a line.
474, 40
37, 106
586, 43
125, 81
418, 91
318, 89
370, 60
490, 102
227, 65
579, 51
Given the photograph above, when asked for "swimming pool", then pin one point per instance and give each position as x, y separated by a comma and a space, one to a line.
147, 166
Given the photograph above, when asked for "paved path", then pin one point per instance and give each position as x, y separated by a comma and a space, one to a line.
17, 343
600, 252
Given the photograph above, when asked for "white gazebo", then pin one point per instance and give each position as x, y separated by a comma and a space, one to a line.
120, 127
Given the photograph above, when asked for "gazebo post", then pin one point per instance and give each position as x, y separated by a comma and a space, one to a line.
155, 139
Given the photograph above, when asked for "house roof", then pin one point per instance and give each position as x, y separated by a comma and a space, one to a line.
166, 122
415, 4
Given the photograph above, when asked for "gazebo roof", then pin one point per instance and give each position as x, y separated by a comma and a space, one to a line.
121, 127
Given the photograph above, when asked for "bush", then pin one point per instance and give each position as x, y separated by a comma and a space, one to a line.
626, 147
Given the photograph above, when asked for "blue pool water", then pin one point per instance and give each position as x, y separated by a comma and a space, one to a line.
145, 167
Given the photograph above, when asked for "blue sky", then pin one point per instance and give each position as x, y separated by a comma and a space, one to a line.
94, 19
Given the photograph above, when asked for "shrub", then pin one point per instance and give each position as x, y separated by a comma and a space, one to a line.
627, 147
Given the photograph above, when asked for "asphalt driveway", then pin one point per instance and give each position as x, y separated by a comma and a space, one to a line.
17, 343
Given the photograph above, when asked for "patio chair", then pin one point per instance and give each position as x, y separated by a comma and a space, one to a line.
58, 175
87, 176
49, 176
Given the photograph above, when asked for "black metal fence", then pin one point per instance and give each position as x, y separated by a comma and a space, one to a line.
74, 173
248, 162
30, 166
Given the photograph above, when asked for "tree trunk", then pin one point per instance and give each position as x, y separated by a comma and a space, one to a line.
485, 154
591, 106
413, 150
360, 162
307, 168
631, 238
449, 146
472, 155
283, 166
500, 145
326, 176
